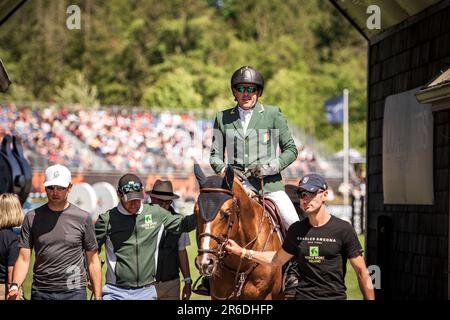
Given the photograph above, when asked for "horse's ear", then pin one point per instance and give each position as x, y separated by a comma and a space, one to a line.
201, 178
229, 178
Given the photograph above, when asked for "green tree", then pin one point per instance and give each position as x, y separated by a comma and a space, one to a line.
173, 90
181, 54
76, 90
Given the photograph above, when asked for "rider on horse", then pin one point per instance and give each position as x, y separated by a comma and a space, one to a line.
251, 133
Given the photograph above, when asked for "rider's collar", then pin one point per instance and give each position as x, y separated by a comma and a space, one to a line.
245, 111
242, 110
124, 211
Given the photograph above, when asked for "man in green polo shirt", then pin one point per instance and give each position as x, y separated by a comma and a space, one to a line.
131, 233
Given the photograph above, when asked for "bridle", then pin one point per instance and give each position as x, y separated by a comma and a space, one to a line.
220, 251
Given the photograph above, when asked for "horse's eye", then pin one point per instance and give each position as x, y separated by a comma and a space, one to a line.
225, 214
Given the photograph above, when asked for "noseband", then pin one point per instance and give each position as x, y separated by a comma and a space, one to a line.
220, 252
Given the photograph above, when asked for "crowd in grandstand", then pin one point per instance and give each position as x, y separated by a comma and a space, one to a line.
38, 130
127, 139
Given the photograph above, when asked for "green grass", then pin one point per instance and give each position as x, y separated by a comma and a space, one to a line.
353, 292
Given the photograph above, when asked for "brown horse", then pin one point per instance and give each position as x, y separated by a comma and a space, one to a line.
226, 212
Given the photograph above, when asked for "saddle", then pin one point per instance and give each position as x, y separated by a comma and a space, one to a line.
272, 209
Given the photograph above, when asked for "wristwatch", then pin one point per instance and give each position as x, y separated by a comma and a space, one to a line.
187, 280
13, 286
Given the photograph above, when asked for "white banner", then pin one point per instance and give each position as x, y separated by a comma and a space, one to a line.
407, 150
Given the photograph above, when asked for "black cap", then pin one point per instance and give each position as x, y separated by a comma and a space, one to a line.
130, 187
312, 182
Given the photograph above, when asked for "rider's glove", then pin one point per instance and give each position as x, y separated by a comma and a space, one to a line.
263, 170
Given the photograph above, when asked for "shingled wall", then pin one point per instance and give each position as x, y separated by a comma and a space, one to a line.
412, 248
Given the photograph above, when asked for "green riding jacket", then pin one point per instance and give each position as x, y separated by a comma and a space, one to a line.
267, 130
132, 241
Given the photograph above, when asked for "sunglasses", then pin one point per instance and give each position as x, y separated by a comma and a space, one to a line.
131, 186
59, 188
249, 89
307, 194
156, 201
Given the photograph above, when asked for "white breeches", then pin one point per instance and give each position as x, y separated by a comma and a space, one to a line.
283, 203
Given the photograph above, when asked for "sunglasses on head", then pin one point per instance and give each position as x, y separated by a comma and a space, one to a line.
131, 186
59, 188
307, 194
249, 89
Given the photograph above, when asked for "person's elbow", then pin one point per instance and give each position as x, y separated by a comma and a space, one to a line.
93, 257
280, 258
24, 255
277, 263
361, 270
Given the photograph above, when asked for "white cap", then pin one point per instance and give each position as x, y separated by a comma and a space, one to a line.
57, 175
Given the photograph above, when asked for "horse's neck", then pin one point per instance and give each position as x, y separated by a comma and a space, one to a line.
250, 215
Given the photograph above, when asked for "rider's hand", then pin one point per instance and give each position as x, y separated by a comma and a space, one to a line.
263, 170
232, 247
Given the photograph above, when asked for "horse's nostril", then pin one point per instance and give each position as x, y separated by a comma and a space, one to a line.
206, 269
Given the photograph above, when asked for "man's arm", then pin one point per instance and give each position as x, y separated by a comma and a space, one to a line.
177, 223
20, 271
95, 272
364, 280
10, 274
288, 148
184, 267
274, 258
216, 156
101, 227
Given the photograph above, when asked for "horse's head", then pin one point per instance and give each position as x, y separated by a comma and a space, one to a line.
217, 210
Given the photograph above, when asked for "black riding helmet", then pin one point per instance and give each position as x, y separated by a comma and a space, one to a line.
247, 74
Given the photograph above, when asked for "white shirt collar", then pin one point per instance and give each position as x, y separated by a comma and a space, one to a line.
124, 211
245, 112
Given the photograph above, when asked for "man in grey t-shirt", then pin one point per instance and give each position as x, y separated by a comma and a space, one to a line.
60, 233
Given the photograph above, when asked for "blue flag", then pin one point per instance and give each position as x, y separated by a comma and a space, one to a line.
334, 109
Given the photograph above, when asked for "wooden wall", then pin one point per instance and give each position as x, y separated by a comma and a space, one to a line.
412, 248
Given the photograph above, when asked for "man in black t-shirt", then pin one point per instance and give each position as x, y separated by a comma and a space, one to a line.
321, 243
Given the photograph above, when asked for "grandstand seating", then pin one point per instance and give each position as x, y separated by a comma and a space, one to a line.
117, 139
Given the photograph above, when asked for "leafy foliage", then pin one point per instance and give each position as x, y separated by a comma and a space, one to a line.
181, 54
77, 91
